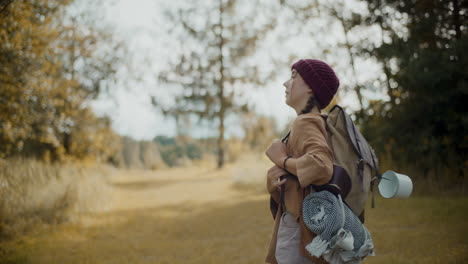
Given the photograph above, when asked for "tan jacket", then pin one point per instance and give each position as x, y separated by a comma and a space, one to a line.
308, 144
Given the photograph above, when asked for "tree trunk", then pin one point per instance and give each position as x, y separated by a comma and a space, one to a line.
221, 90
389, 87
456, 19
221, 141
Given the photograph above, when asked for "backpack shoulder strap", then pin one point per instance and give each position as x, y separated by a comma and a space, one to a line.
285, 138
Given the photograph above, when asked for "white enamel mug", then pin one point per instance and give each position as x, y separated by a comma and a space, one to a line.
395, 184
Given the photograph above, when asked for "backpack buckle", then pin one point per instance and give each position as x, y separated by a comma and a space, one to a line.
360, 163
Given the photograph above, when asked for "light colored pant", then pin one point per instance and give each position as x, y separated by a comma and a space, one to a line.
288, 242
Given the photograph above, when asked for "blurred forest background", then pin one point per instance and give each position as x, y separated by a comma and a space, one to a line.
57, 57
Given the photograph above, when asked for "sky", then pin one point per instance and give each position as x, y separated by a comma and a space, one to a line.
139, 23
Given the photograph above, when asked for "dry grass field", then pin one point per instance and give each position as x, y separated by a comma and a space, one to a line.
203, 215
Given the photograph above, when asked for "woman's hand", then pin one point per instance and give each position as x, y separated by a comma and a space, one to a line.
273, 176
276, 152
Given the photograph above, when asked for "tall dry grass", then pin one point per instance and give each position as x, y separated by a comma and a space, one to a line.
436, 180
33, 192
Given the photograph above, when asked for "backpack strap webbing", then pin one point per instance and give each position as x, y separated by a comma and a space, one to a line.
283, 188
377, 176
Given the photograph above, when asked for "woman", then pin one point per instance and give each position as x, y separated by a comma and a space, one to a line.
304, 158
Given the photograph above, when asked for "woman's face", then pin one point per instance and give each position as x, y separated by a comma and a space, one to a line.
297, 91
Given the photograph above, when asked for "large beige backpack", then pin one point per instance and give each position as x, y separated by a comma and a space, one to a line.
355, 163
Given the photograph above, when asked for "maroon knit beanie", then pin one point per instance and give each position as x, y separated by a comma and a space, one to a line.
320, 77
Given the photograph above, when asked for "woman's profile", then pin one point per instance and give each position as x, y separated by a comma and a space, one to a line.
302, 158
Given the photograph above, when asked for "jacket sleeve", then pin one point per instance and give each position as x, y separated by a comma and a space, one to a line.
315, 165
